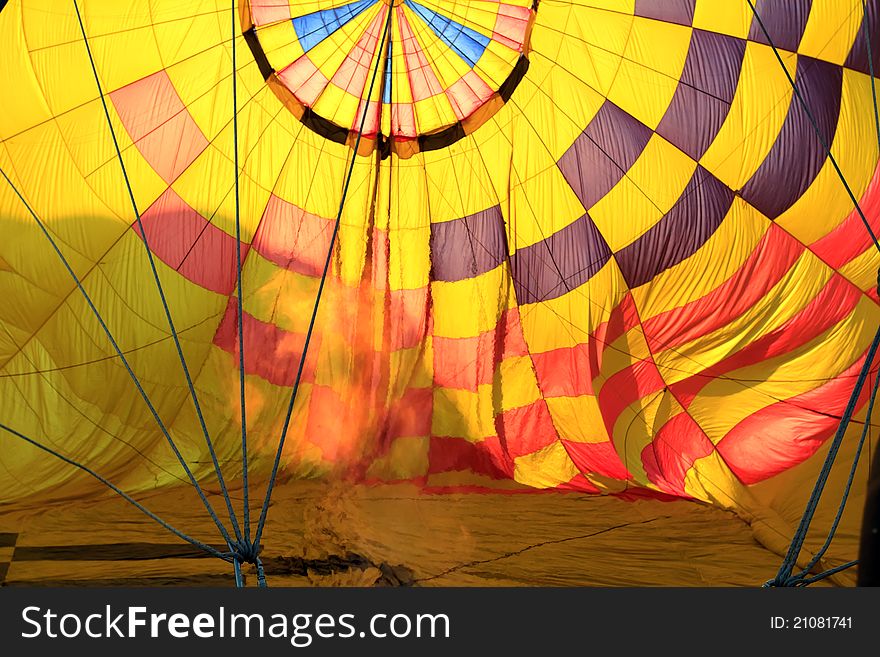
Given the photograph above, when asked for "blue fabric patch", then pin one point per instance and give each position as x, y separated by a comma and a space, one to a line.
313, 28
467, 43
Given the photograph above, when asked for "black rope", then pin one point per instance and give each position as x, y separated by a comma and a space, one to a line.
244, 451
812, 120
802, 578
828, 573
116, 348
236, 566
849, 481
265, 509
784, 576
867, 554
195, 542
167, 310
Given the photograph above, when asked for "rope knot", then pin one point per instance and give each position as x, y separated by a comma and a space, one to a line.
244, 551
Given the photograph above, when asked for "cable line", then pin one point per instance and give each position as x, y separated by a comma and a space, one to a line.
286, 426
195, 542
167, 310
242, 403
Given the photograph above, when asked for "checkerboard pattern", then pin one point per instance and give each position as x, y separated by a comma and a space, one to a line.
650, 224
110, 564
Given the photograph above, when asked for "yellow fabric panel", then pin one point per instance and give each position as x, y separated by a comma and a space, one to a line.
189, 10
729, 17
52, 161
857, 164
831, 29
43, 283
335, 353
463, 414
280, 44
578, 419
435, 110
74, 337
91, 149
108, 184
351, 241
262, 166
125, 277
111, 49
756, 115
103, 18
515, 383
455, 186
445, 200
64, 87
542, 204
253, 121
180, 35
660, 154
591, 46
205, 193
31, 16
538, 157
409, 258
480, 293
320, 194
32, 107
383, 208
548, 467
611, 6
652, 64
491, 144
496, 63
104, 431
590, 27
